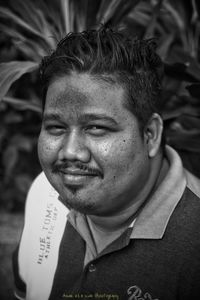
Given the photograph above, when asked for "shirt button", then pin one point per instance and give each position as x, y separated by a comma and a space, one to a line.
92, 268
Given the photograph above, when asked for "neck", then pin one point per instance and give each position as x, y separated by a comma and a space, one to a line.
123, 219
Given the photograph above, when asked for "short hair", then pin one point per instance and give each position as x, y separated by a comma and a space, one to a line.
114, 57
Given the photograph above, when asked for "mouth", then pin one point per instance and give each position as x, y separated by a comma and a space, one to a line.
76, 177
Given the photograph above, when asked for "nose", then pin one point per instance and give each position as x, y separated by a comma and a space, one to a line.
74, 148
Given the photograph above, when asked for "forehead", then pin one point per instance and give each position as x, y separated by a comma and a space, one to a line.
79, 93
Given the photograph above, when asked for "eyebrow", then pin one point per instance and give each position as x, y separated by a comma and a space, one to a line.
83, 118
97, 117
51, 117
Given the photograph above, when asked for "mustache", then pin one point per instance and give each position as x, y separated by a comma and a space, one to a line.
61, 166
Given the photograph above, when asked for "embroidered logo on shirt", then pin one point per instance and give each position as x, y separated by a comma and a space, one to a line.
135, 293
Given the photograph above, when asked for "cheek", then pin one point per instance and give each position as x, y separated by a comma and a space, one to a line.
47, 149
115, 154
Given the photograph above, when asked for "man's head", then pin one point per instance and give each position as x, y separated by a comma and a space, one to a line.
101, 135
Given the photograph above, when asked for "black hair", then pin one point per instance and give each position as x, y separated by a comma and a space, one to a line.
112, 56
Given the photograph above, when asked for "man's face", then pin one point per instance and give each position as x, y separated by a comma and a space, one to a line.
90, 146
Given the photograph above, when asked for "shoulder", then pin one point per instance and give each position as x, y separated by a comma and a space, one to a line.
185, 221
191, 200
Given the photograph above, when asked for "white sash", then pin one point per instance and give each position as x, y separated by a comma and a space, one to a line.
45, 220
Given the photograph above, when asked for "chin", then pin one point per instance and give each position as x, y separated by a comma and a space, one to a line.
82, 207
74, 201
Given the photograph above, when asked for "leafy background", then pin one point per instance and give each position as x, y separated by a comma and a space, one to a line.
30, 29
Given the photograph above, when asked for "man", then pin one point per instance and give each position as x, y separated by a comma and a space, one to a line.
114, 215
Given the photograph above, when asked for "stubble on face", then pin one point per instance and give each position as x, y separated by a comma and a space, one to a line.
118, 153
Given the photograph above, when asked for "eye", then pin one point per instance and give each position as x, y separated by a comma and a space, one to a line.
97, 130
54, 129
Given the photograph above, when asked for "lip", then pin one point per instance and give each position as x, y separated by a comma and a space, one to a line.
76, 172
76, 177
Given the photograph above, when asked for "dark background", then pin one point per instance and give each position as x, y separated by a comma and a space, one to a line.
29, 30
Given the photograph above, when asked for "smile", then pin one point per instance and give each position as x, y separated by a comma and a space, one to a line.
76, 177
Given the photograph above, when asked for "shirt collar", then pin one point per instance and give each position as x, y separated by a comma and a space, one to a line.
153, 219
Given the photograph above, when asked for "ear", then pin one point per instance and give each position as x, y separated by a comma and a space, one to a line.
153, 134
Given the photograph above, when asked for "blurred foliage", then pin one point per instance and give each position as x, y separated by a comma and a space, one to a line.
31, 29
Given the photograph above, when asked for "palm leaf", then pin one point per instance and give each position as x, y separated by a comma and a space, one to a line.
23, 104
9, 15
11, 71
79, 10
28, 12
113, 11
141, 14
153, 21
11, 32
28, 47
65, 10
175, 14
